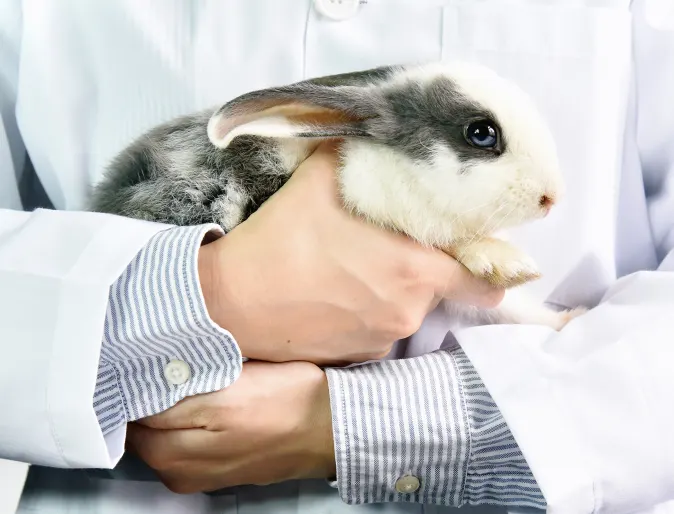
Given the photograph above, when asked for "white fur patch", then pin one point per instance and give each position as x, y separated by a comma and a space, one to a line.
229, 208
388, 188
442, 200
517, 307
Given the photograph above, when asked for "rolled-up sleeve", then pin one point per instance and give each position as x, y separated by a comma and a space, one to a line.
159, 343
425, 426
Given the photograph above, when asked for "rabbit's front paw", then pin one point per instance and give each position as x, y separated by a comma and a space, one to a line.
563, 317
497, 261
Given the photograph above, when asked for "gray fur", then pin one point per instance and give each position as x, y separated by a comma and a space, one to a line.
428, 113
174, 174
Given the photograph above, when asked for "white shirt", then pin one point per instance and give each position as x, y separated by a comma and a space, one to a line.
90, 78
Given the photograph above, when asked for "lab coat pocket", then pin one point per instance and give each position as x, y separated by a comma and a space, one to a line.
574, 61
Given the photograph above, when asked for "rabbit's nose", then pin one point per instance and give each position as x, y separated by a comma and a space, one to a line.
546, 202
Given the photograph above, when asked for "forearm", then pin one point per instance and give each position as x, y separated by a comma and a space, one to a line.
427, 419
93, 309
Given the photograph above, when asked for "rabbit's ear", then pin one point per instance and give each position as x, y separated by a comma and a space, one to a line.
334, 106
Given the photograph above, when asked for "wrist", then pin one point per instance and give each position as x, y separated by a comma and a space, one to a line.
328, 461
209, 280
233, 291
217, 285
320, 459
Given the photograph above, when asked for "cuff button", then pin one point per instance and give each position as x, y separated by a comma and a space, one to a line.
177, 372
407, 484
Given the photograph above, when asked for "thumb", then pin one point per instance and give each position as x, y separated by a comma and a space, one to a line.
322, 162
456, 283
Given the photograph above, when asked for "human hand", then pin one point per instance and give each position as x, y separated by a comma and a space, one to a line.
302, 279
273, 424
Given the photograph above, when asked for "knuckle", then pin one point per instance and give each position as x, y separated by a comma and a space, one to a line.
404, 324
409, 271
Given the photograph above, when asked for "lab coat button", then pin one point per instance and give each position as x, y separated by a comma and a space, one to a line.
407, 484
337, 9
177, 372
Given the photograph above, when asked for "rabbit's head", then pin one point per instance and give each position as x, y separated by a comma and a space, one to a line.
442, 152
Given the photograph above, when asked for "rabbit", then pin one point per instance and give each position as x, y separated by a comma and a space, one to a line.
447, 153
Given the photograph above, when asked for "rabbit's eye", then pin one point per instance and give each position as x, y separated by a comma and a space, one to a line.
482, 134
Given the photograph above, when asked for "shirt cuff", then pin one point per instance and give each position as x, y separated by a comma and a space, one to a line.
157, 314
429, 421
497, 472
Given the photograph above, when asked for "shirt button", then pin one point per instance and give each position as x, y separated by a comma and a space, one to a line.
337, 9
177, 372
407, 484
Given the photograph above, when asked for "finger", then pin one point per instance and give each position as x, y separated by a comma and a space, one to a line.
140, 440
204, 410
179, 466
324, 159
200, 477
327, 149
455, 283
314, 180
186, 481
191, 412
149, 444
167, 449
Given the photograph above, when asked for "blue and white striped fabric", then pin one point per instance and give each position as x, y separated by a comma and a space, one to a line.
430, 417
156, 313
497, 472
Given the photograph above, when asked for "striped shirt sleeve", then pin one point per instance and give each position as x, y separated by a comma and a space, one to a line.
157, 314
429, 419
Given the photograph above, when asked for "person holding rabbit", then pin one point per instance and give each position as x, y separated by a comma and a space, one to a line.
208, 316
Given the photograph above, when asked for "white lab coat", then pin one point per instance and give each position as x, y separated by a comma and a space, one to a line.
589, 406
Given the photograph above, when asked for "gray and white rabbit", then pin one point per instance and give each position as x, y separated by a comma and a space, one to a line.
448, 154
